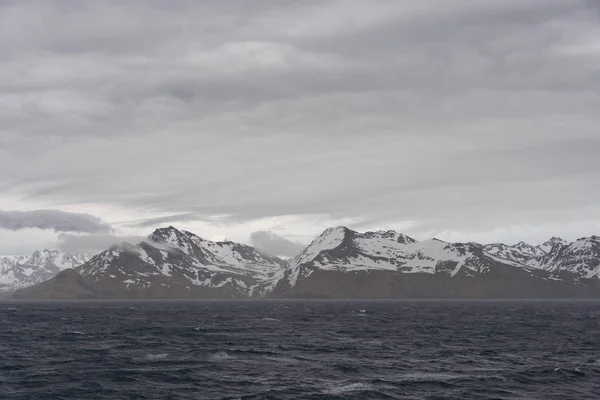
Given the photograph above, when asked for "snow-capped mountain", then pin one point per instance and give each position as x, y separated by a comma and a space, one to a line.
174, 264
578, 260
22, 271
345, 263
342, 249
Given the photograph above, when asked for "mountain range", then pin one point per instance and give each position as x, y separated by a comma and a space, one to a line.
340, 263
23, 271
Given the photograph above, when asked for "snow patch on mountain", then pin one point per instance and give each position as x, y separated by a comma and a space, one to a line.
520, 253
22, 271
547, 246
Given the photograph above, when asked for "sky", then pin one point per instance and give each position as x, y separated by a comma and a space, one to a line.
266, 122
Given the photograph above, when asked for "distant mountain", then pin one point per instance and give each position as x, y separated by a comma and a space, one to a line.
339, 263
342, 249
23, 271
576, 261
175, 264
345, 263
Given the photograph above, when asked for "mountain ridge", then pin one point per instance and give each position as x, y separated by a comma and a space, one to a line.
23, 271
180, 264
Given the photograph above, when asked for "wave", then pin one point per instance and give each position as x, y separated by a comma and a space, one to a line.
348, 388
282, 359
220, 356
159, 356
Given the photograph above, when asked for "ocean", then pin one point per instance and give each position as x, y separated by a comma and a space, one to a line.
300, 349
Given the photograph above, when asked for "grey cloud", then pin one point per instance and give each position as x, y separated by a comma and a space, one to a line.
92, 244
272, 243
163, 220
383, 111
58, 221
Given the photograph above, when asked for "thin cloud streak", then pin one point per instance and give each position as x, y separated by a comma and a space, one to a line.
159, 221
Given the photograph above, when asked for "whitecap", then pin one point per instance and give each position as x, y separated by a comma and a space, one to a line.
349, 388
282, 359
271, 319
160, 356
219, 356
75, 333
429, 377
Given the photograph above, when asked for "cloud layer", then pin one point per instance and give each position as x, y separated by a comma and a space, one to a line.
276, 245
58, 221
92, 244
448, 118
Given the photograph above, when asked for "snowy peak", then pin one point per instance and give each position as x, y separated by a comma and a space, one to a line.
226, 252
22, 271
170, 236
328, 240
528, 249
180, 261
551, 244
521, 253
580, 259
390, 235
344, 240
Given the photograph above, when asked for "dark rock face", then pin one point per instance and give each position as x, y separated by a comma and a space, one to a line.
502, 283
68, 284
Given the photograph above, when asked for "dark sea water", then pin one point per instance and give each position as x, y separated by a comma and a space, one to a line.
300, 350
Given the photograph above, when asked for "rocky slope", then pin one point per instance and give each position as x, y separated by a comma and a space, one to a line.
174, 264
22, 271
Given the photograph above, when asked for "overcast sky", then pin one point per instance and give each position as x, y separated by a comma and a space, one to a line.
269, 119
